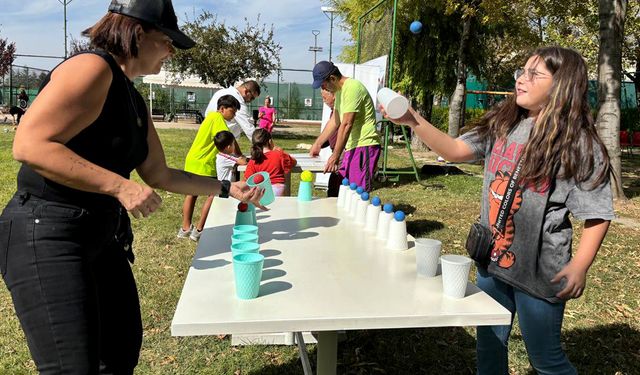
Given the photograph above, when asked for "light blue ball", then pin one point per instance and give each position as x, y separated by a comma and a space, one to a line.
364, 196
415, 27
353, 186
388, 208
359, 190
399, 215
345, 181
376, 201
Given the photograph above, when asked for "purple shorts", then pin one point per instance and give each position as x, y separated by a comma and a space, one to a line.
359, 165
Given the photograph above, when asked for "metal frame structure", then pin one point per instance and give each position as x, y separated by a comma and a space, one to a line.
388, 126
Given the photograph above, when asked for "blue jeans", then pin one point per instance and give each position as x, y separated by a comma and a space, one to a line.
72, 287
540, 323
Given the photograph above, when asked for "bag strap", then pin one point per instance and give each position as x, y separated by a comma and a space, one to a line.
507, 199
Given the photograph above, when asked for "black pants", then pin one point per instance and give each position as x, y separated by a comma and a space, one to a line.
72, 287
333, 186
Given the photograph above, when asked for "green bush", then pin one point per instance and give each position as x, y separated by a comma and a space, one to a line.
630, 119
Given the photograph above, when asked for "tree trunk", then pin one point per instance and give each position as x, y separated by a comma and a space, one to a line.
611, 14
425, 111
457, 104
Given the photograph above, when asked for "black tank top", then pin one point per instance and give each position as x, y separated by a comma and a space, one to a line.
116, 140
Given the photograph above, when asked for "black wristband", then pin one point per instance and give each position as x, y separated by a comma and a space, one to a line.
225, 187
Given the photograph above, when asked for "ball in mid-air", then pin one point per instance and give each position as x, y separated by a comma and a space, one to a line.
306, 176
243, 207
415, 27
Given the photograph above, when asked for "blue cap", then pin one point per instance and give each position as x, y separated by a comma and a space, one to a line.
359, 190
376, 201
399, 215
353, 186
345, 181
364, 196
321, 72
388, 208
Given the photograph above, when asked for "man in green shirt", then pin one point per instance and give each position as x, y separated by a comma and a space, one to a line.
355, 120
201, 160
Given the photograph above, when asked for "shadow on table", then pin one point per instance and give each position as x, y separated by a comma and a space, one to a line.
294, 229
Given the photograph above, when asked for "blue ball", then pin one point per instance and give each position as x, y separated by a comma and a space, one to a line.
415, 27
364, 196
359, 190
353, 186
399, 215
345, 181
376, 201
388, 208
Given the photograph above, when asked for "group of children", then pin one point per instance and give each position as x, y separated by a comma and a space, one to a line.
215, 153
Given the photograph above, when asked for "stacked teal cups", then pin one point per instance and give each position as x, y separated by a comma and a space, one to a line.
244, 237
245, 228
264, 182
247, 270
244, 247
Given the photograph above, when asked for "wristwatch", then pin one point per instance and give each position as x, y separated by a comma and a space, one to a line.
224, 191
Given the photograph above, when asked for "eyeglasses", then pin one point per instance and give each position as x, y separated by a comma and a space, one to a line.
531, 74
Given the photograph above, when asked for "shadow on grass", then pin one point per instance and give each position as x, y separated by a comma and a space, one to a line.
448, 350
607, 349
418, 228
292, 135
631, 179
408, 177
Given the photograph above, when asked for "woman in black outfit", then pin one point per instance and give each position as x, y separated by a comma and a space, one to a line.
65, 236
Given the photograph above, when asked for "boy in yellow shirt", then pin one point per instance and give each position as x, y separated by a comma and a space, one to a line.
201, 160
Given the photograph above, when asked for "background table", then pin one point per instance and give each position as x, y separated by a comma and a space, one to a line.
322, 272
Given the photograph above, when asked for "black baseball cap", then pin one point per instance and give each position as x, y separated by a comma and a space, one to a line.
158, 13
321, 72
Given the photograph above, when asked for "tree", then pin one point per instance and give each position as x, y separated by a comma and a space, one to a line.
631, 47
612, 15
7, 56
79, 45
225, 55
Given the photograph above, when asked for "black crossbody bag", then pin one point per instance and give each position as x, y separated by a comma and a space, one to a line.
480, 238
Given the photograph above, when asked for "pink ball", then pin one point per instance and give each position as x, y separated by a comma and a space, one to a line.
258, 178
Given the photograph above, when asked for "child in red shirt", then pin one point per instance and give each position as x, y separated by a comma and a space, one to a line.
266, 157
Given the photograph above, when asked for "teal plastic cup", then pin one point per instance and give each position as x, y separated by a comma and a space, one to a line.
252, 209
245, 228
305, 191
245, 248
268, 196
247, 271
243, 218
244, 237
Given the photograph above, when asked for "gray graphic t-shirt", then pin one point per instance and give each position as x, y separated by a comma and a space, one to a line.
536, 243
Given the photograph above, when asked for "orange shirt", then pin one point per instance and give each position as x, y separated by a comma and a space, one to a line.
276, 163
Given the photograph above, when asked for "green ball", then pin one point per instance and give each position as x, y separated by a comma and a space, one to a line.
306, 176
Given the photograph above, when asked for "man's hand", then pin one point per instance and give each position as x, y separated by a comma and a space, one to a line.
315, 149
332, 163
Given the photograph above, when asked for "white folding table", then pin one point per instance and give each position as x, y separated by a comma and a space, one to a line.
322, 272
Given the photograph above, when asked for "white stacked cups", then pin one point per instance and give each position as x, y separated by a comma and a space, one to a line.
361, 209
349, 196
354, 202
383, 222
342, 192
397, 238
373, 211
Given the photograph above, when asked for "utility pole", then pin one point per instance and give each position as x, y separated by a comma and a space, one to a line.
64, 4
315, 49
330, 12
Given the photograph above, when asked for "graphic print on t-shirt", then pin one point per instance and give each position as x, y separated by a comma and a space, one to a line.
500, 253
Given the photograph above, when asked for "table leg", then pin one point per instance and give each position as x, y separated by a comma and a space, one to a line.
327, 352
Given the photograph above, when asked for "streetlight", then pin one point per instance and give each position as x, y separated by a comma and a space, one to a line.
65, 3
315, 49
331, 15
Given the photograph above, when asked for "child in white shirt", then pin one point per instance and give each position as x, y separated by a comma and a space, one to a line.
226, 160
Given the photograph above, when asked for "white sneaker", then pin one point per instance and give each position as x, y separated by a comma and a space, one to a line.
185, 233
195, 235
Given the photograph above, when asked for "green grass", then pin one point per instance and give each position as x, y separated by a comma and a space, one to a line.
601, 330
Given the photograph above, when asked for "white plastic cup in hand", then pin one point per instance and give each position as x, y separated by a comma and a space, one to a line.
455, 274
394, 104
427, 255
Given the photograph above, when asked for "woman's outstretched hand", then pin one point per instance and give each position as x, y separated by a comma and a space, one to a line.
242, 192
409, 118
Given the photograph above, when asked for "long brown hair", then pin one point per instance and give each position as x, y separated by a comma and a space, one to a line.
259, 140
116, 33
563, 138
